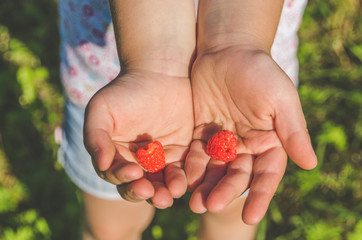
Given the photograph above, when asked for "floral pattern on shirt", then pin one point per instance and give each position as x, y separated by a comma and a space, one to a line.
89, 57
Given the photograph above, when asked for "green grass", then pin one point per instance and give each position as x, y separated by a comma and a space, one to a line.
38, 201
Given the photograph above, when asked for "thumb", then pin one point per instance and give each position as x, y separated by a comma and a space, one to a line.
97, 135
292, 130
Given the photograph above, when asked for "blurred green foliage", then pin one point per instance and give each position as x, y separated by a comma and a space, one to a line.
37, 201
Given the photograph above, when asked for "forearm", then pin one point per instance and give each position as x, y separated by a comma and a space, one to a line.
152, 34
223, 23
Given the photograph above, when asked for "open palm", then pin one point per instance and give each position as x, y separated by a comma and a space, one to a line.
134, 109
246, 92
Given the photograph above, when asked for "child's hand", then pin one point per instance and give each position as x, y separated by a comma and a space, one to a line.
133, 110
244, 90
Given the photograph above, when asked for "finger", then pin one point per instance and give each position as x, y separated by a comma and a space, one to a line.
195, 164
292, 131
232, 185
101, 148
162, 198
175, 179
123, 171
136, 191
175, 153
268, 170
258, 141
97, 135
214, 172
174, 174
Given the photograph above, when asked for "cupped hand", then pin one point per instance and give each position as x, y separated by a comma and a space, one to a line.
245, 91
136, 108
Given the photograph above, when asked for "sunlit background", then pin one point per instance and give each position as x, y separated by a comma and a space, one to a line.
38, 201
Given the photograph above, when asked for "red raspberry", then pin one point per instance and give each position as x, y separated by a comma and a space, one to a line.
151, 157
222, 146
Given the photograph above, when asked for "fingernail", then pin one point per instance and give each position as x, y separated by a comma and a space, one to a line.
127, 194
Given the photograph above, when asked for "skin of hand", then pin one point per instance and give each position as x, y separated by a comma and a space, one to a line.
237, 86
133, 110
150, 100
242, 89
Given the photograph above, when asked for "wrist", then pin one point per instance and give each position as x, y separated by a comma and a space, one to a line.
241, 41
173, 61
155, 35
224, 23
